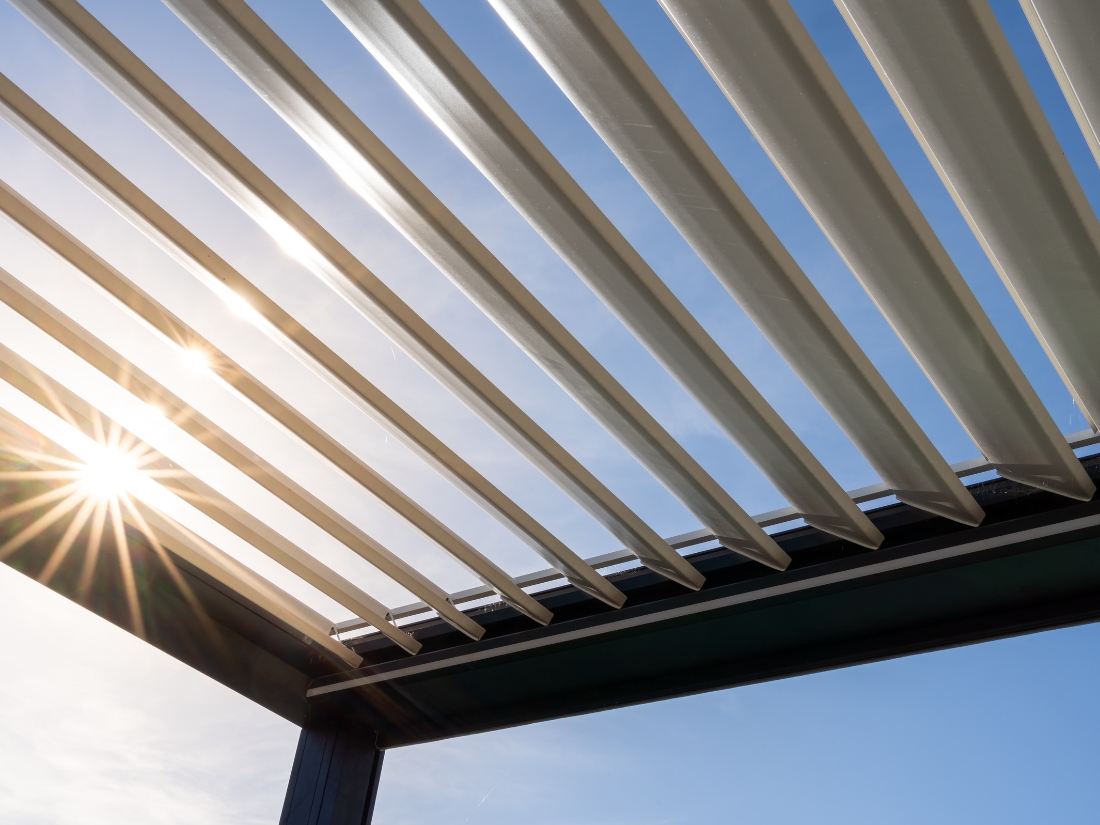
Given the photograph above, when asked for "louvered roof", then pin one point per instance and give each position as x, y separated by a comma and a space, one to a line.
949, 68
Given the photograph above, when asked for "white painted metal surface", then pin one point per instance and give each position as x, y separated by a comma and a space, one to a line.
953, 75
1069, 32
106, 58
873, 492
445, 83
948, 67
163, 321
587, 54
239, 578
300, 97
216, 273
162, 532
70, 334
764, 60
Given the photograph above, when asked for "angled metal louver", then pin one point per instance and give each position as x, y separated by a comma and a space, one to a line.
162, 531
1069, 32
70, 334
949, 69
229, 571
764, 60
978, 120
415, 49
163, 321
107, 59
594, 63
264, 61
73, 154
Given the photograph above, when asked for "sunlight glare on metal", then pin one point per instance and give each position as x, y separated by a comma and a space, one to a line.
195, 360
240, 307
290, 240
109, 474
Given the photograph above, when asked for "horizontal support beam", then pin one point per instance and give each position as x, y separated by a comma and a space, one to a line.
1032, 565
970, 467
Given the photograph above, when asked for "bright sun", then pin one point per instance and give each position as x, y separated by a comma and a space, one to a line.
108, 475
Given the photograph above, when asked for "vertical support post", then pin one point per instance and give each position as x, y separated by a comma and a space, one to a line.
334, 780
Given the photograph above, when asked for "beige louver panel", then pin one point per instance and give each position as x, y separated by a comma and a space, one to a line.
376, 174
1069, 32
216, 273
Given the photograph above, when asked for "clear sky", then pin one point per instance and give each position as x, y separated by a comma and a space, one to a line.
97, 727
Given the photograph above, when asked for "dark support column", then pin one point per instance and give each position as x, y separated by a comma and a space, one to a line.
334, 780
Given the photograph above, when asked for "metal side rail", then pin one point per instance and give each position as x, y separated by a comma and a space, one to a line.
1033, 564
872, 492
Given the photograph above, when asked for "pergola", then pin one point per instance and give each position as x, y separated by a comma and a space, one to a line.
946, 564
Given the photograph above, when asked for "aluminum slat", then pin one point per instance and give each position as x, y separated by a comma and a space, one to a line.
430, 66
164, 531
49, 392
164, 111
1069, 32
160, 320
301, 98
592, 61
227, 570
216, 273
764, 60
980, 124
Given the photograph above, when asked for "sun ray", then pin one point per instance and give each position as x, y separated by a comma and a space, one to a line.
126, 564
66, 543
39, 475
36, 501
40, 524
127, 442
143, 455
97, 427
170, 565
91, 554
114, 432
47, 388
41, 458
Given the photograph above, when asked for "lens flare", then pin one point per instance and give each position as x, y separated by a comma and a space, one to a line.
195, 360
108, 475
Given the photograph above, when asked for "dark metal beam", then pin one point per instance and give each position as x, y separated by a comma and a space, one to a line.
1034, 564
334, 780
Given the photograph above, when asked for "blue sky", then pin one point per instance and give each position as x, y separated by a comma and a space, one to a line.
97, 727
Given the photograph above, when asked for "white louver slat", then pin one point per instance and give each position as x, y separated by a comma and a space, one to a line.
159, 318
106, 58
161, 531
590, 58
948, 67
1069, 32
979, 122
764, 60
375, 173
415, 49
70, 334
228, 283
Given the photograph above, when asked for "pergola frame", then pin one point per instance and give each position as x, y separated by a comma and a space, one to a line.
947, 564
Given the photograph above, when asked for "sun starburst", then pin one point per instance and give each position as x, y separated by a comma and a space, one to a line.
99, 487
